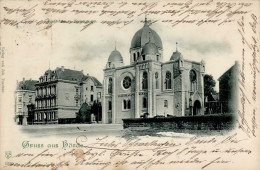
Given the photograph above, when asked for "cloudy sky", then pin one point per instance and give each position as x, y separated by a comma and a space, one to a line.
30, 53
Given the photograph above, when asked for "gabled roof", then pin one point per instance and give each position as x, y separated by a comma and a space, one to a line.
94, 79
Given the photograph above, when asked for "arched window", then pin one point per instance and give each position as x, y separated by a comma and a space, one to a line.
193, 81
168, 80
165, 103
124, 104
144, 102
129, 104
134, 57
156, 80
138, 55
145, 81
143, 57
110, 85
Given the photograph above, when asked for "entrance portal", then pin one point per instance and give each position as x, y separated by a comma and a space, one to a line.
196, 108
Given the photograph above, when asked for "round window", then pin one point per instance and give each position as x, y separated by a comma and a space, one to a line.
192, 75
127, 82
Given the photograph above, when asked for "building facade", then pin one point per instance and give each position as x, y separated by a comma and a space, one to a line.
60, 93
228, 89
24, 100
148, 85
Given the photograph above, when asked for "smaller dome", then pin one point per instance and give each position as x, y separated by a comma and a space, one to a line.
176, 55
115, 56
149, 48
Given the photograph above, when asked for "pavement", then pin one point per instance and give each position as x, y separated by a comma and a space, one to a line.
73, 130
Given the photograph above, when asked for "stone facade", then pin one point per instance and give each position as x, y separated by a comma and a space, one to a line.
149, 85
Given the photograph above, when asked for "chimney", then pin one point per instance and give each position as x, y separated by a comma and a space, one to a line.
87, 74
62, 68
23, 79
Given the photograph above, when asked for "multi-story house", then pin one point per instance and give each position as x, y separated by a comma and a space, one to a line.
60, 93
24, 97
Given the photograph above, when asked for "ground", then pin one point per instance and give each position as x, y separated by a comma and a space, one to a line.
73, 130
116, 130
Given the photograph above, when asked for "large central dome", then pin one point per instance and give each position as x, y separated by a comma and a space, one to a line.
141, 37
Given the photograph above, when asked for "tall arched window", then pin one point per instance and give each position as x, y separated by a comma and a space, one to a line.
145, 81
156, 80
124, 104
134, 57
168, 80
193, 81
143, 57
144, 102
138, 55
110, 85
129, 104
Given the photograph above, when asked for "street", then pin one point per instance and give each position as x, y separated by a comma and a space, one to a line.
73, 130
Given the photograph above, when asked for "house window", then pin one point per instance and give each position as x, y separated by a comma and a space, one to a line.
92, 88
110, 83
109, 64
35, 116
168, 81
138, 55
165, 103
144, 102
77, 103
109, 105
19, 110
145, 81
99, 95
143, 57
134, 57
77, 90
91, 97
19, 99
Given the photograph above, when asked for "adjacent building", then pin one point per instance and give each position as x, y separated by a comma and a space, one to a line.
228, 89
149, 86
61, 92
24, 101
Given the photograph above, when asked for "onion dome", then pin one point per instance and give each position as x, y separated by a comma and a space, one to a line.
141, 37
115, 56
149, 48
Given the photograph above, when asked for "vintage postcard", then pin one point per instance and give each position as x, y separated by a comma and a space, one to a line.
122, 85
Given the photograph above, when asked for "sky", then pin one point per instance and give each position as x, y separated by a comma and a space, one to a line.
31, 53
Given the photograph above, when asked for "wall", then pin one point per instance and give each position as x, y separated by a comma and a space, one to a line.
212, 122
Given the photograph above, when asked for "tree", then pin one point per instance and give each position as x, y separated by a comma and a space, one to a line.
97, 110
84, 113
209, 84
